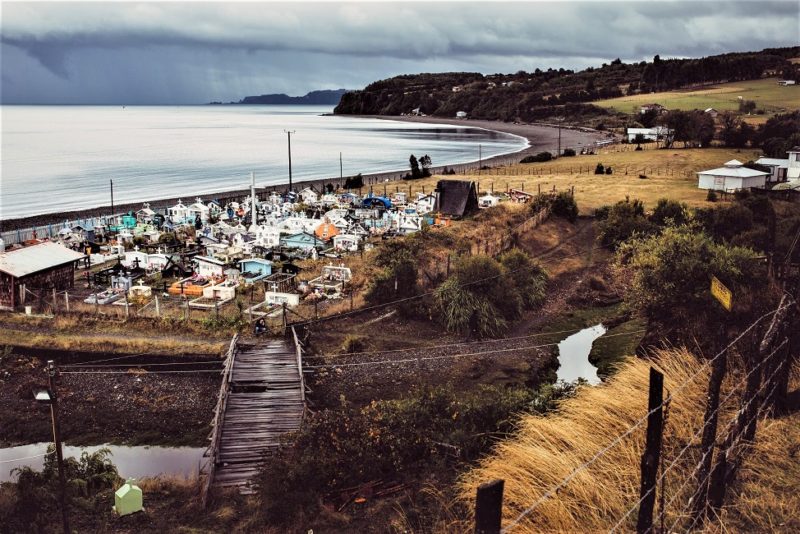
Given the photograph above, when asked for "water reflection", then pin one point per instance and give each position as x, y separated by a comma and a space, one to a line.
136, 462
573, 355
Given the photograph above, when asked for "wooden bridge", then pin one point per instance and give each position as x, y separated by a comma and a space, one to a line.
262, 397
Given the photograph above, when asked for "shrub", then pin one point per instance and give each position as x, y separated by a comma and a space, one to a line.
670, 211
564, 205
527, 276
669, 277
625, 219
609, 170
353, 343
602, 212
599, 169
388, 439
711, 196
538, 158
568, 152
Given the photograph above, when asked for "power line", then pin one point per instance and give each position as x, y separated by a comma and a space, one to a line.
447, 345
135, 374
26, 457
426, 358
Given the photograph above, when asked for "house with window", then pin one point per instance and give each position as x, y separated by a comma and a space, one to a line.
733, 176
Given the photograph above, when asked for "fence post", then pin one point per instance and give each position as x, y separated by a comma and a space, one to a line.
55, 302
700, 497
127, 311
66, 300
652, 452
489, 507
158, 308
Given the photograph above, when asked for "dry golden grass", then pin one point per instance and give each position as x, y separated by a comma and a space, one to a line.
670, 174
548, 448
83, 342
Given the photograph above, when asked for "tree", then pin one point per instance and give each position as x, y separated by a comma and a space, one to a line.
414, 165
625, 219
747, 106
670, 212
669, 276
564, 205
425, 161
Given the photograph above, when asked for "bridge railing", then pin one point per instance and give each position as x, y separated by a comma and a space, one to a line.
299, 350
216, 425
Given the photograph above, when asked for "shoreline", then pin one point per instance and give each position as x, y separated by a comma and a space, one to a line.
540, 137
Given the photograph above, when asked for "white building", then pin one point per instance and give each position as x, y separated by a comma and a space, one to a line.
657, 133
461, 114
209, 267
488, 200
733, 176
783, 169
178, 213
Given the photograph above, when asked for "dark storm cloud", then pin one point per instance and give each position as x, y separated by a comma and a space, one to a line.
181, 52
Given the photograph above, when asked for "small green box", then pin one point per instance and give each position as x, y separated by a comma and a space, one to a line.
128, 498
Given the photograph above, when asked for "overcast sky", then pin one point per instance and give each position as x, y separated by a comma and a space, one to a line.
181, 52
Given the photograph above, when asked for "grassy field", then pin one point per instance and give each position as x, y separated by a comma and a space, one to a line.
766, 93
670, 174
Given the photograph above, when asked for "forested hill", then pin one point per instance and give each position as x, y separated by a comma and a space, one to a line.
529, 96
327, 97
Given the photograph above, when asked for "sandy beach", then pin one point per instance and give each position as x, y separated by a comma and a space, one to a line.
541, 137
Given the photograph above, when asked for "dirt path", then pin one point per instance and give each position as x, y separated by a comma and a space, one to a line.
447, 360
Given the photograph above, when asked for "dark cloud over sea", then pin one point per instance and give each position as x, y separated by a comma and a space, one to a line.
148, 53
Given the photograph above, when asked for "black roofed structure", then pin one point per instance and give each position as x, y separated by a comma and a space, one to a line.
456, 198
42, 266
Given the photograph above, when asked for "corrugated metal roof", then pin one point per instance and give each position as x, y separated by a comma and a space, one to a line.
773, 162
734, 171
35, 258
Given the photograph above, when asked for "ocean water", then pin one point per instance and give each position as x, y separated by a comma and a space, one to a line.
60, 158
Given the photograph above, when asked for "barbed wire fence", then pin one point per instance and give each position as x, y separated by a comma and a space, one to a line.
762, 391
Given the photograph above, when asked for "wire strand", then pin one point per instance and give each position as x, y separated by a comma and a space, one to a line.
697, 434
635, 425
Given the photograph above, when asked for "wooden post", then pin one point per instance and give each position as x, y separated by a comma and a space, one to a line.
768, 342
127, 310
158, 308
55, 302
489, 507
652, 453
709, 435
66, 300
216, 308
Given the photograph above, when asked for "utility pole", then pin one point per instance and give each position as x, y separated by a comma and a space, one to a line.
112, 197
341, 174
289, 138
480, 159
51, 374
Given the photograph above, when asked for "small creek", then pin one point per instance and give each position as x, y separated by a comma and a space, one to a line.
573, 355
136, 462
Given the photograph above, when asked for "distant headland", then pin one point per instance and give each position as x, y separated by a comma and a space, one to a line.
326, 97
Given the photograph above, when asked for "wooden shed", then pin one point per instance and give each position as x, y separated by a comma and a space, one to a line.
45, 265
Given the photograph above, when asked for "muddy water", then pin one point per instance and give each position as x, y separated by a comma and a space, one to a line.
573, 355
136, 462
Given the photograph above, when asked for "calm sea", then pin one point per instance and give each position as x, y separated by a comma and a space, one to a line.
60, 158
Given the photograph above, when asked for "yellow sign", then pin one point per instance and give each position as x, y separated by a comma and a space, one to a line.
721, 293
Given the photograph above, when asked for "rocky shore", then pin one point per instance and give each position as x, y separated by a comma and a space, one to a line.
541, 137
